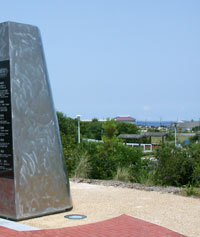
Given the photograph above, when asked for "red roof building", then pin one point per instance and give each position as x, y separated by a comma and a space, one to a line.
125, 119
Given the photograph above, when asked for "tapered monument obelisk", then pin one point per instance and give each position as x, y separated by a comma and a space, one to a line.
33, 179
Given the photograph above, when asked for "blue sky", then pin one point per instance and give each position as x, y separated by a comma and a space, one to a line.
119, 57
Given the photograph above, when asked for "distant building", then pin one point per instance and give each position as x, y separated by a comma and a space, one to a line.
186, 126
125, 119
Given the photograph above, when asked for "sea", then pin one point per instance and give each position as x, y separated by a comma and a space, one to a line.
155, 123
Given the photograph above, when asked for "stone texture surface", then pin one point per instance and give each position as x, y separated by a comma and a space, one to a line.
40, 179
7, 197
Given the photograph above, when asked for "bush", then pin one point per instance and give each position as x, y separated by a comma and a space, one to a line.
104, 158
191, 190
196, 175
174, 166
177, 166
83, 167
123, 174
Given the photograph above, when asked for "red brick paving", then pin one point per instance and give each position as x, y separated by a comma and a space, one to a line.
122, 226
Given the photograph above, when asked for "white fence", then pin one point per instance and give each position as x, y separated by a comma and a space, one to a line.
146, 147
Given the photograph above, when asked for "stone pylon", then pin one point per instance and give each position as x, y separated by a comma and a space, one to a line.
33, 178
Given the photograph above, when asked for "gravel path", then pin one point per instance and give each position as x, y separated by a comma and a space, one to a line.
100, 202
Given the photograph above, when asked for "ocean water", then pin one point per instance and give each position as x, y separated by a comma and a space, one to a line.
155, 123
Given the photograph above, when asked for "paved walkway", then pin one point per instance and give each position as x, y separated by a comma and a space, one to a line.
15, 225
123, 225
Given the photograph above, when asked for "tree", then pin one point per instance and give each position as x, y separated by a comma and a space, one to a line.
110, 129
68, 132
92, 129
67, 125
126, 128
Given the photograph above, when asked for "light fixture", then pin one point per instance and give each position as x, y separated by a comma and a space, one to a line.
75, 217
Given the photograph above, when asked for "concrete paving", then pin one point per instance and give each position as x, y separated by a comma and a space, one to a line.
15, 225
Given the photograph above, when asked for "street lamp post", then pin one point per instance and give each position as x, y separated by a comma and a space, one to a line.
199, 124
175, 124
79, 134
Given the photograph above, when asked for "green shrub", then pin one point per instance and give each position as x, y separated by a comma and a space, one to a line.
196, 175
146, 177
191, 190
123, 174
176, 166
83, 167
105, 158
144, 173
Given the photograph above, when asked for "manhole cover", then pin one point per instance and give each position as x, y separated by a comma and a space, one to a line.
75, 217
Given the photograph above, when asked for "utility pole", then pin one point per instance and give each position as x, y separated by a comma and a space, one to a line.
79, 133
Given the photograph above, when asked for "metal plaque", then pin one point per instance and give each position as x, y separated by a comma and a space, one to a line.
6, 153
